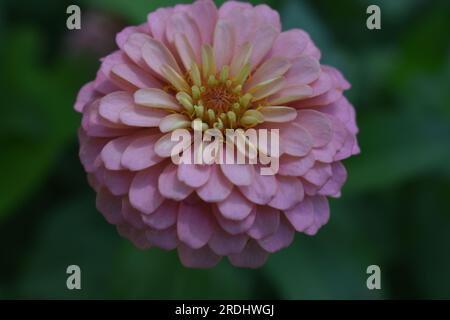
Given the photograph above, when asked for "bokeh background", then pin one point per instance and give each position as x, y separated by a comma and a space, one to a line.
395, 207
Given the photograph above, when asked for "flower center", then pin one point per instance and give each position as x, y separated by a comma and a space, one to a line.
216, 98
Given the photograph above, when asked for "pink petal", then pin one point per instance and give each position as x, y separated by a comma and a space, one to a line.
318, 174
157, 22
317, 125
282, 238
140, 153
235, 206
131, 215
295, 166
165, 239
266, 222
224, 43
217, 188
290, 192
290, 44
262, 41
295, 140
223, 243
333, 186
144, 194
112, 152
235, 227
85, 96
302, 215
112, 104
251, 257
262, 189
267, 15
194, 225
170, 186
239, 174
118, 182
304, 70
136, 236
193, 175
156, 55
141, 116
206, 9
110, 206
197, 258
131, 77
181, 22
90, 149
133, 48
163, 217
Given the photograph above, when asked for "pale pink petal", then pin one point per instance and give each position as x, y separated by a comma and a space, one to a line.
131, 77
270, 69
278, 113
156, 98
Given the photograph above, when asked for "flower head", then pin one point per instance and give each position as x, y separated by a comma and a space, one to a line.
196, 66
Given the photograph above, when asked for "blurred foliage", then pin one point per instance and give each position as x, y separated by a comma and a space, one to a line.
394, 211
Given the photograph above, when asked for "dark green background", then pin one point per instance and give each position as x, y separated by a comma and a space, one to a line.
395, 208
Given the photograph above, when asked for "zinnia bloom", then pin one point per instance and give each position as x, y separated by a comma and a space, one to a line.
230, 67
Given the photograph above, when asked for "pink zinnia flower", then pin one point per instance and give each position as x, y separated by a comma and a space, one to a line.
230, 67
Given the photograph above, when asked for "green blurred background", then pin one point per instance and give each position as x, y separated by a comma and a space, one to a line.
395, 208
